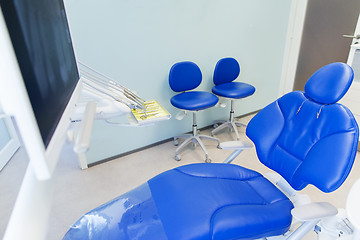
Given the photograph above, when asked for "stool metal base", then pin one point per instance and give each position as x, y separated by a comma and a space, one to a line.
232, 124
194, 138
228, 124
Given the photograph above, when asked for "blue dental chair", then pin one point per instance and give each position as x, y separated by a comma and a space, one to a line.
306, 137
226, 71
183, 77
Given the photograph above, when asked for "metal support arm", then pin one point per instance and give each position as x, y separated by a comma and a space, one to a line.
234, 145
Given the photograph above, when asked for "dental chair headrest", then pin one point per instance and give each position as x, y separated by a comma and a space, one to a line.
330, 83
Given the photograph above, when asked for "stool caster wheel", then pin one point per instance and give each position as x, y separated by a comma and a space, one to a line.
194, 145
176, 142
177, 157
218, 146
208, 160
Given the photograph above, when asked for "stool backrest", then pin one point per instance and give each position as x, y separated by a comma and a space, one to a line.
184, 76
226, 70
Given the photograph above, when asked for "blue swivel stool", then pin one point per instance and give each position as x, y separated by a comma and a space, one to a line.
226, 71
306, 137
185, 76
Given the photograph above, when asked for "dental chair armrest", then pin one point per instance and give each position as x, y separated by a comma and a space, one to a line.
314, 211
238, 146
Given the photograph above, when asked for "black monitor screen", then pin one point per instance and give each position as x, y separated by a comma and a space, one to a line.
41, 39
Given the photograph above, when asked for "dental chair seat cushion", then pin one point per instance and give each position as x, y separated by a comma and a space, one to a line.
234, 90
194, 100
219, 201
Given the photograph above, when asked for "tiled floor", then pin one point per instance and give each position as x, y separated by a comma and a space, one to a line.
78, 191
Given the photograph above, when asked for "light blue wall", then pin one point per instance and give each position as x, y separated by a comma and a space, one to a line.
137, 41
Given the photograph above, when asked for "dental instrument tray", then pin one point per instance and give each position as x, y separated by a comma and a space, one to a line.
153, 112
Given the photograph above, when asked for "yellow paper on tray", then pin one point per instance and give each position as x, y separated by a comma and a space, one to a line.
154, 112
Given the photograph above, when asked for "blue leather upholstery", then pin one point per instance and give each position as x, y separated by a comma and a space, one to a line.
219, 201
194, 100
305, 141
226, 71
234, 90
130, 216
330, 83
186, 76
197, 201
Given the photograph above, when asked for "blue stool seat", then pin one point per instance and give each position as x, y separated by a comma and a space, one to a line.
219, 201
194, 100
234, 90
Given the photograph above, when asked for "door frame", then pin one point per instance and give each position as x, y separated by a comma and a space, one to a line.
355, 86
292, 45
352, 46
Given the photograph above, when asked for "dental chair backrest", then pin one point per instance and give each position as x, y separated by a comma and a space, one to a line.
307, 137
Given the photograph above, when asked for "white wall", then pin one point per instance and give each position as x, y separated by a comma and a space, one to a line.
137, 41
